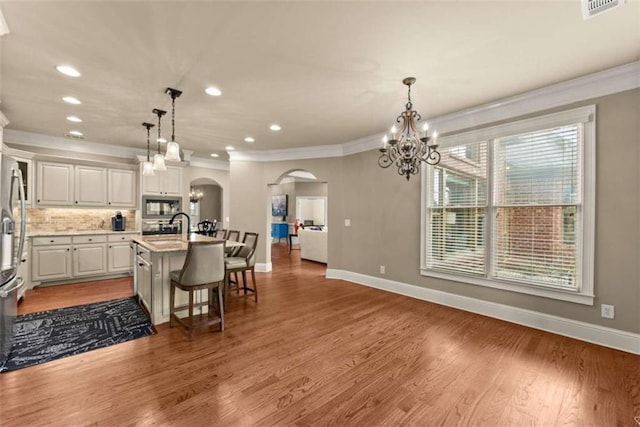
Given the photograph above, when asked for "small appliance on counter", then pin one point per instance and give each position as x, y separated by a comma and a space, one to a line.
118, 222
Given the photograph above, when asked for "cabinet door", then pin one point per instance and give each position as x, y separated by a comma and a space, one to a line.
51, 263
173, 181
90, 260
120, 256
55, 184
143, 275
121, 188
90, 186
152, 184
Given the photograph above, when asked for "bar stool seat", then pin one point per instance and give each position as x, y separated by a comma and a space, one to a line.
203, 269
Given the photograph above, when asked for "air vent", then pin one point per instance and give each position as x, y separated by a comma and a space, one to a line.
68, 135
591, 8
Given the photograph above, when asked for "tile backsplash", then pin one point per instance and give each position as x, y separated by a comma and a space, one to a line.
49, 220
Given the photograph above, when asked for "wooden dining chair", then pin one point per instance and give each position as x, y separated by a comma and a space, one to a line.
203, 268
205, 227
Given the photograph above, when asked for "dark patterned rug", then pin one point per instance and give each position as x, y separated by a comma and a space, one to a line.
54, 334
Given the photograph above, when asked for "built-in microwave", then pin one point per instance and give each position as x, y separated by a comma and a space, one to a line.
160, 207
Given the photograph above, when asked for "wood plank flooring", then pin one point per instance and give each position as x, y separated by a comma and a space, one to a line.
314, 352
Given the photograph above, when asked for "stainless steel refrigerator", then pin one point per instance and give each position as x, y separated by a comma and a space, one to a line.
11, 245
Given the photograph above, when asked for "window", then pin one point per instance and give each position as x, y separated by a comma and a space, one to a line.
508, 207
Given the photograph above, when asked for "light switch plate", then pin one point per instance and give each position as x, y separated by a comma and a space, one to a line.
347, 222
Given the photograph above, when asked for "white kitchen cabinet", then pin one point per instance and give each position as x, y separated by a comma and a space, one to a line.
90, 186
144, 277
54, 184
89, 255
119, 258
51, 262
167, 183
121, 188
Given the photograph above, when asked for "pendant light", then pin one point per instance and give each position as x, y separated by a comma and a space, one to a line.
173, 149
158, 159
147, 167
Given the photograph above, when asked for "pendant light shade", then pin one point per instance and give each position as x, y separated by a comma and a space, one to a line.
158, 159
173, 149
147, 167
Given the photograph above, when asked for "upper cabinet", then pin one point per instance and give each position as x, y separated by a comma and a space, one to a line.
60, 184
122, 188
90, 186
166, 183
54, 184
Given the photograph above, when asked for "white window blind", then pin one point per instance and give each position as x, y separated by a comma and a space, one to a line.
512, 207
536, 197
457, 210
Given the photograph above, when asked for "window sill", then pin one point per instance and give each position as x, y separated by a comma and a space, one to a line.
557, 294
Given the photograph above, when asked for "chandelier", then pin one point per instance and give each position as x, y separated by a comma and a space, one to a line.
173, 149
147, 167
158, 159
408, 146
195, 195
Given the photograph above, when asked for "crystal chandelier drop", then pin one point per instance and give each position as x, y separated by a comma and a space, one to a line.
158, 159
173, 149
147, 167
408, 146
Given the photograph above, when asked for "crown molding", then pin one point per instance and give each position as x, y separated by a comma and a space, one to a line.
209, 163
31, 139
317, 152
607, 82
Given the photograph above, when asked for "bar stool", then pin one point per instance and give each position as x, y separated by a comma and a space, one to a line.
203, 269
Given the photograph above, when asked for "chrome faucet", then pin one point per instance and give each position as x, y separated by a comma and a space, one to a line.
188, 221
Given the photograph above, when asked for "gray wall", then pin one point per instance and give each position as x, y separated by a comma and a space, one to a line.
211, 203
385, 218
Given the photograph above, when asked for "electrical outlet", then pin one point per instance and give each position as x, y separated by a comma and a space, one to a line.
347, 222
382, 269
607, 311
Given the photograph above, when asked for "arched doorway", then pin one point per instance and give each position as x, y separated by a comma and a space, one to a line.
205, 201
298, 195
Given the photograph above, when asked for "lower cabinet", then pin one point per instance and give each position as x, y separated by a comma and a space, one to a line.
51, 262
66, 257
144, 277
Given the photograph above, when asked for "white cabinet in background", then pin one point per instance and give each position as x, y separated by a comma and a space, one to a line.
51, 262
121, 188
90, 186
120, 255
89, 255
166, 183
54, 184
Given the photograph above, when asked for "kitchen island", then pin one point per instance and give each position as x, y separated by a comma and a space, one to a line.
155, 258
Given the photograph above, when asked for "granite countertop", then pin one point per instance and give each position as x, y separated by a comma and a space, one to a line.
175, 244
79, 233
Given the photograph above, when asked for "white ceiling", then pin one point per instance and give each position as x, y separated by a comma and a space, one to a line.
327, 72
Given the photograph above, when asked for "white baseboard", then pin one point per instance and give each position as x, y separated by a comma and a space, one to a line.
264, 267
596, 334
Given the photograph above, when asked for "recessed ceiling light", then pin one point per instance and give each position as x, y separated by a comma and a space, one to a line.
75, 133
229, 148
71, 100
68, 70
275, 127
74, 119
213, 91
214, 155
249, 139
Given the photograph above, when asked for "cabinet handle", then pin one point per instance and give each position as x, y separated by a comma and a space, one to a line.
76, 202
68, 249
109, 202
23, 260
90, 240
110, 246
51, 241
141, 264
38, 200
75, 249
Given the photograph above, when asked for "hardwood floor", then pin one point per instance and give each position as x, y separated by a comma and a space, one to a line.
315, 351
